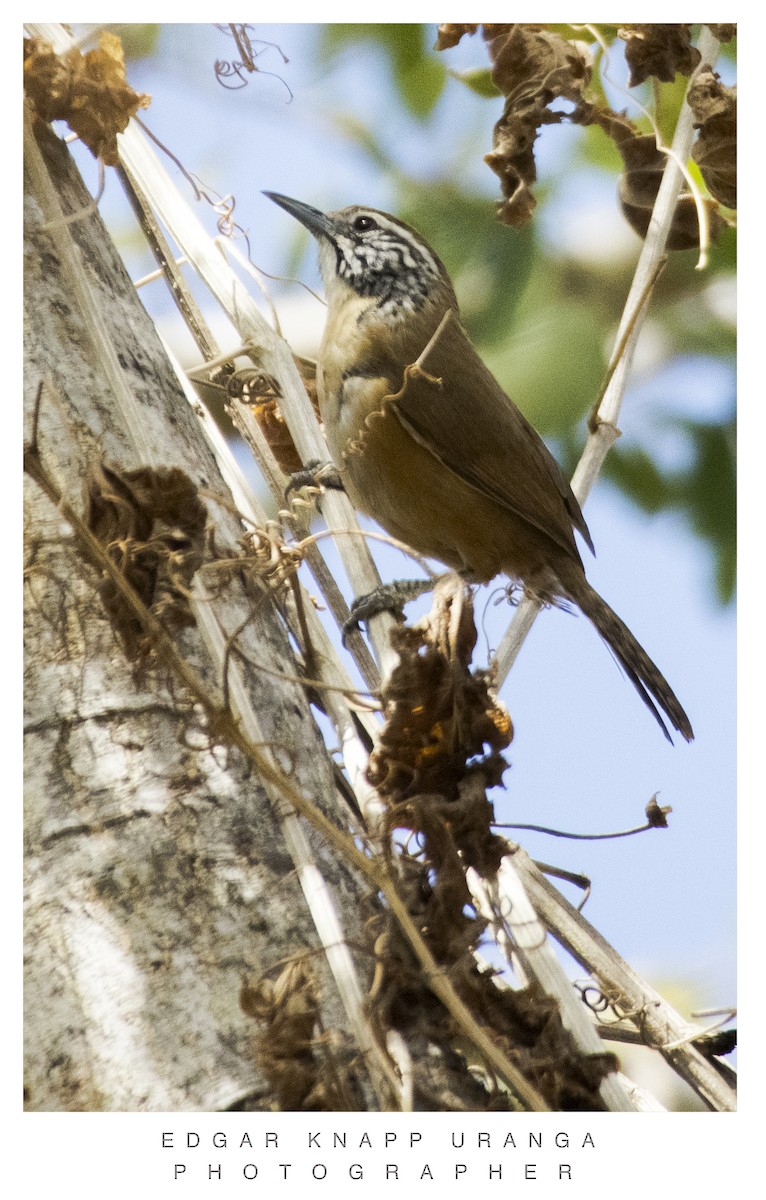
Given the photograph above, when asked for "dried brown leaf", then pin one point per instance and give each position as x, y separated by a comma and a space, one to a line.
531, 68
661, 51
715, 110
449, 35
289, 1005
617, 126
533, 65
437, 754
443, 724
151, 523
724, 33
88, 91
288, 1047
529, 58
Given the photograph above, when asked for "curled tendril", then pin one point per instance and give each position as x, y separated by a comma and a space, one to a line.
236, 69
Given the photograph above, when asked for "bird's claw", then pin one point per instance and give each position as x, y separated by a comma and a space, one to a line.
315, 474
389, 597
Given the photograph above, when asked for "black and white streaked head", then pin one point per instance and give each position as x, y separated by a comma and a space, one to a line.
375, 255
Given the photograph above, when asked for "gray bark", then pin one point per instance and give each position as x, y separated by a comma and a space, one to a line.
157, 874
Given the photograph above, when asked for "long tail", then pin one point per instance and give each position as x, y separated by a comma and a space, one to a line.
648, 681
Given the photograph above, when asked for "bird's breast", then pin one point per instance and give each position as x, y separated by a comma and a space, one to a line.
399, 482
401, 442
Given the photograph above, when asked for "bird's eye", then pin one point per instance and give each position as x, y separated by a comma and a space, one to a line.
363, 223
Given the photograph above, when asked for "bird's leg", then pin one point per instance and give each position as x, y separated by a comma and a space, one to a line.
315, 474
389, 597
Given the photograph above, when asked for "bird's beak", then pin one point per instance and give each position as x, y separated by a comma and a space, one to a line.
315, 221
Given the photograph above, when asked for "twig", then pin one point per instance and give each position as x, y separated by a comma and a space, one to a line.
518, 929
267, 348
226, 246
702, 217
603, 436
661, 1027
151, 178
332, 670
333, 597
240, 725
60, 233
397, 1048
413, 370
185, 302
575, 877
577, 837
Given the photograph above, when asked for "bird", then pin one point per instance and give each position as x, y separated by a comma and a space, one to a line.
429, 444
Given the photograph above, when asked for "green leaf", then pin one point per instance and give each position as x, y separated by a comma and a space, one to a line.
542, 321
420, 85
705, 492
418, 74
479, 80
710, 496
366, 139
138, 41
637, 475
597, 150
553, 364
670, 98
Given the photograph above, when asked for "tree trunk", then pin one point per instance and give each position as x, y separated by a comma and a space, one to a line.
158, 877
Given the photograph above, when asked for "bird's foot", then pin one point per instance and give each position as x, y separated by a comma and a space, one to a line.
315, 474
389, 597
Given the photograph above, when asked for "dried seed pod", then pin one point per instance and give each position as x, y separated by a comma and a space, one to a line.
639, 184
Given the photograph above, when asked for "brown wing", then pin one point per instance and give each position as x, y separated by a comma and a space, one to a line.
480, 435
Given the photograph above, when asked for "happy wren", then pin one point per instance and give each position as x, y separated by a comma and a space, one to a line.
436, 452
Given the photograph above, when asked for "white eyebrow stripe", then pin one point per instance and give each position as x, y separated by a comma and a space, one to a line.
407, 238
